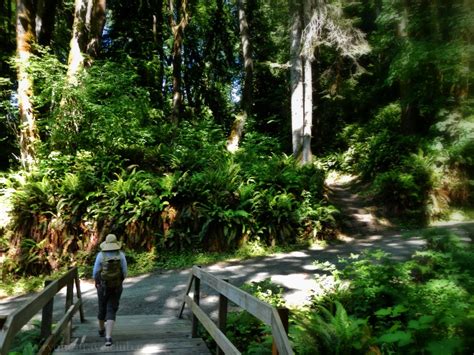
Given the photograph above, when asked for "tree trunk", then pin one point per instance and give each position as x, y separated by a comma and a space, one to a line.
25, 38
296, 78
157, 30
408, 115
178, 21
78, 42
306, 154
45, 13
247, 93
95, 23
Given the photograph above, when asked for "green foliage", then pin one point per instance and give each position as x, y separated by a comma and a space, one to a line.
26, 342
247, 332
406, 187
419, 305
329, 332
107, 112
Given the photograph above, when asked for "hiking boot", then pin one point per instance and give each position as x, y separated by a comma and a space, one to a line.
102, 333
108, 341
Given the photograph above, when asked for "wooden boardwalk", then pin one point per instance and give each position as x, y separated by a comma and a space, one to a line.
136, 334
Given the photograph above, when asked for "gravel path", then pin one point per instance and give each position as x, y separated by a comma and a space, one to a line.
161, 292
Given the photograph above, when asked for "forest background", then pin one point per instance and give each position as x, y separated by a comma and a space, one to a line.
211, 124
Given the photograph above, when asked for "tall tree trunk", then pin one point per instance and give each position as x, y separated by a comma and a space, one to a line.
78, 42
306, 154
178, 21
158, 43
301, 76
247, 92
25, 38
45, 13
408, 115
296, 78
95, 23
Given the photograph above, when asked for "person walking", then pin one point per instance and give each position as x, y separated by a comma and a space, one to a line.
110, 269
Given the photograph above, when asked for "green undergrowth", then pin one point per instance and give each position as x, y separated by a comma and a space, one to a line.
375, 305
26, 342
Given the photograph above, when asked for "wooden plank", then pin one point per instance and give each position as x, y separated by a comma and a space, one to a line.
188, 288
49, 343
79, 295
194, 321
24, 314
190, 346
279, 335
222, 341
47, 316
3, 319
251, 304
222, 316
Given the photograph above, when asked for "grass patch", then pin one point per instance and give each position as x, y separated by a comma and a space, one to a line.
20, 285
181, 260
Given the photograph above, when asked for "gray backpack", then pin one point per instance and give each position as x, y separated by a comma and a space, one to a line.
111, 271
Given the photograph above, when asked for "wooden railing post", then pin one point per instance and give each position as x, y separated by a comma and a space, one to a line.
79, 295
222, 321
69, 302
284, 316
47, 316
195, 322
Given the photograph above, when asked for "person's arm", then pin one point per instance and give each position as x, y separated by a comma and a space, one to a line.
124, 264
96, 270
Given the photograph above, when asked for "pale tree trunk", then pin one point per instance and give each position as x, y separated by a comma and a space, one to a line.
301, 84
296, 78
89, 21
25, 38
178, 20
306, 154
95, 22
78, 42
247, 92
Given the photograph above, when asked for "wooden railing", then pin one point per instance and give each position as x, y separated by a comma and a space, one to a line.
261, 310
12, 324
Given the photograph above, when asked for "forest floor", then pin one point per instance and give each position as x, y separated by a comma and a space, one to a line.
161, 292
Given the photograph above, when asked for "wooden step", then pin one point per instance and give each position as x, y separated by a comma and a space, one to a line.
174, 346
136, 334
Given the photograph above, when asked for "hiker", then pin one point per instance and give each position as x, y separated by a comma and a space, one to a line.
110, 269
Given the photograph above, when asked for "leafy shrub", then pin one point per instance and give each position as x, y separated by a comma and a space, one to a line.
406, 189
26, 341
422, 305
246, 331
327, 332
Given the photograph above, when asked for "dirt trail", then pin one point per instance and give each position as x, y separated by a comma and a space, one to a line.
161, 292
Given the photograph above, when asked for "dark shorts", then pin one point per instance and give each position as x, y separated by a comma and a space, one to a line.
109, 299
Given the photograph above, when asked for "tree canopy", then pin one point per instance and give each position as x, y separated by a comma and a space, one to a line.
207, 123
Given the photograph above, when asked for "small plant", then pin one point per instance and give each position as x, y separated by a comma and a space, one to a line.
330, 332
26, 342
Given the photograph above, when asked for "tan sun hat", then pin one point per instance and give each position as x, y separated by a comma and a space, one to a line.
110, 243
